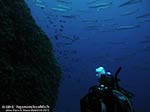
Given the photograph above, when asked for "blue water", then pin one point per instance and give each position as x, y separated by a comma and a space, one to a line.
100, 44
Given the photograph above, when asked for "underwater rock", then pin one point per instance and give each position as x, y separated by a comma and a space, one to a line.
29, 72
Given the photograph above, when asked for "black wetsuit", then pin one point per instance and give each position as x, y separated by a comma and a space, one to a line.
91, 102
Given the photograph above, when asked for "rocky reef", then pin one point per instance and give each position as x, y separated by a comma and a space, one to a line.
29, 72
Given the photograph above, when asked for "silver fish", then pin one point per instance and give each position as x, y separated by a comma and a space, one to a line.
143, 16
101, 5
59, 9
145, 21
90, 20
130, 2
129, 12
64, 7
70, 16
38, 1
91, 1
40, 5
65, 1
127, 27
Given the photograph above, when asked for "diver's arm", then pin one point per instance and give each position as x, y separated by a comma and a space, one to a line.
83, 103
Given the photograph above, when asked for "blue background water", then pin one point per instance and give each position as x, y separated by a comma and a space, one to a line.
100, 45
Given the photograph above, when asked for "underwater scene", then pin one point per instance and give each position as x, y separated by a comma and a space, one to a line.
88, 34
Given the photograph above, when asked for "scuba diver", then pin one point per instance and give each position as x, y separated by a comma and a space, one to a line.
108, 96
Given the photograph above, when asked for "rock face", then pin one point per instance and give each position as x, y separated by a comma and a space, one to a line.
29, 72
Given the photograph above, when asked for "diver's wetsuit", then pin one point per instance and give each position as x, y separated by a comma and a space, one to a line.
108, 96
92, 101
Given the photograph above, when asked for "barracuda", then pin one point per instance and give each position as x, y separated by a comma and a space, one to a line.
99, 5
130, 2
59, 9
127, 27
64, 7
